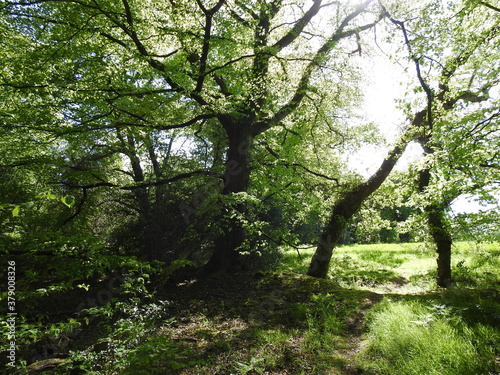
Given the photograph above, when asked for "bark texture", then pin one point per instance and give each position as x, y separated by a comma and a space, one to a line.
438, 229
236, 179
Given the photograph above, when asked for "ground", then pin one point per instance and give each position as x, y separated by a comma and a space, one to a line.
232, 317
282, 322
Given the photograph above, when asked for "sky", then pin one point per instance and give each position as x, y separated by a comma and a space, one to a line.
383, 87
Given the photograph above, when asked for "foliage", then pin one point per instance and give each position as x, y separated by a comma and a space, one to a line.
456, 58
138, 136
127, 325
158, 354
117, 124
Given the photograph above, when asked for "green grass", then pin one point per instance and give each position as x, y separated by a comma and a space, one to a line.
305, 335
418, 328
407, 267
385, 267
417, 338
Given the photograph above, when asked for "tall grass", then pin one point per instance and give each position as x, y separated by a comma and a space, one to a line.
415, 338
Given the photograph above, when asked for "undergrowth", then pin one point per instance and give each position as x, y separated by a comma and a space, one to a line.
275, 323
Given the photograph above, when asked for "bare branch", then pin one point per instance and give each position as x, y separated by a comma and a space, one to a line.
320, 56
496, 9
209, 14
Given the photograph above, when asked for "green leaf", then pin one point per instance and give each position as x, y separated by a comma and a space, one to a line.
84, 286
15, 211
68, 200
46, 196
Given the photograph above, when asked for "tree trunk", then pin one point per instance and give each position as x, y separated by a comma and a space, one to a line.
439, 231
332, 232
348, 205
151, 214
443, 240
158, 245
236, 179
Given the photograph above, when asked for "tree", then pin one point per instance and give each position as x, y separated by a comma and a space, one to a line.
351, 201
448, 56
463, 100
240, 66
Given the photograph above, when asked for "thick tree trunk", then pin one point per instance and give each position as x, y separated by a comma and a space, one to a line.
343, 211
236, 179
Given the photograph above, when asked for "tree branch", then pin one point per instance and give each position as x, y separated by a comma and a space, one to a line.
496, 9
317, 174
209, 14
320, 56
416, 60
143, 185
299, 26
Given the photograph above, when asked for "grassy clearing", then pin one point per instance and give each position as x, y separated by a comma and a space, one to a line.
319, 326
419, 328
407, 267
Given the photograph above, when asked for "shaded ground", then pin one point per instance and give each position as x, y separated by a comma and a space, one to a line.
249, 323
236, 323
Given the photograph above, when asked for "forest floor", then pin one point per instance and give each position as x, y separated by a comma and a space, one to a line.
378, 313
280, 323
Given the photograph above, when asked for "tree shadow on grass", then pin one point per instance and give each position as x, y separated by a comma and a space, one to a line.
276, 323
285, 322
473, 306
377, 277
290, 323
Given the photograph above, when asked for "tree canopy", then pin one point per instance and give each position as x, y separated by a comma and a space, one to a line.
197, 131
160, 159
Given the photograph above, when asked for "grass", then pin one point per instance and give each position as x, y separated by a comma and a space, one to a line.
416, 337
419, 329
407, 267
379, 313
